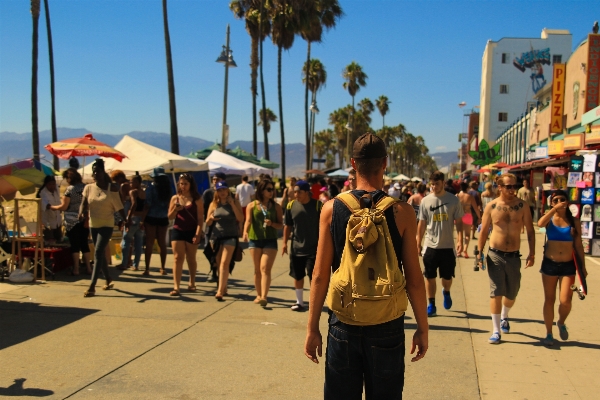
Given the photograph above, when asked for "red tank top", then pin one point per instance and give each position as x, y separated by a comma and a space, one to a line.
187, 219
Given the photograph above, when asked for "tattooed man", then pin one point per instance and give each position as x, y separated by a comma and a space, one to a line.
507, 214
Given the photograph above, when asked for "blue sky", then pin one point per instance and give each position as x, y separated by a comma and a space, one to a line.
110, 69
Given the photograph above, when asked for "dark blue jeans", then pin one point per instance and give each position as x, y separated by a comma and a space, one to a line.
370, 354
101, 237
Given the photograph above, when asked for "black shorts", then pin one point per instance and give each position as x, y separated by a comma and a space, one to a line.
183, 236
442, 259
554, 268
300, 266
157, 221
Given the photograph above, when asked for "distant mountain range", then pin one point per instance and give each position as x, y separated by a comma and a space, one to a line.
18, 146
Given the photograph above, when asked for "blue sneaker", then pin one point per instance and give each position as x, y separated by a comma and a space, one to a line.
505, 326
431, 310
562, 331
495, 338
548, 341
447, 300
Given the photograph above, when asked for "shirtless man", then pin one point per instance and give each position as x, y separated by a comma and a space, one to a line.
508, 214
468, 202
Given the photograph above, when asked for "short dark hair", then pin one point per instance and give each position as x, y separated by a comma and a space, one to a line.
368, 166
421, 188
245, 178
464, 186
75, 176
436, 176
474, 185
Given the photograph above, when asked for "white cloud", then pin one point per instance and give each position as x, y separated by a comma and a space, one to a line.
440, 148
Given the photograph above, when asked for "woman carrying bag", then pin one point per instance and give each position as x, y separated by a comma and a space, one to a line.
263, 218
224, 216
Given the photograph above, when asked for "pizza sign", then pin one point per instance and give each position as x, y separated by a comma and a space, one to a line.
486, 154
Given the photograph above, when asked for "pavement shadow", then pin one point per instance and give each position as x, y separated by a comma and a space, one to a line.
17, 389
445, 328
557, 344
23, 321
142, 298
469, 315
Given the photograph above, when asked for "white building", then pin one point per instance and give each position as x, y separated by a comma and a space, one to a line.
513, 70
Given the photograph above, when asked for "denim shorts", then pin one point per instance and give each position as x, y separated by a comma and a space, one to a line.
262, 244
554, 268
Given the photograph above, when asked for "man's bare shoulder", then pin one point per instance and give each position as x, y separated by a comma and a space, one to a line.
327, 211
402, 208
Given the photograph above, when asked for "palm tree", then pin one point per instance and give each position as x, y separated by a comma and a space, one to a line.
249, 11
325, 146
171, 83
314, 15
383, 105
354, 79
35, 134
366, 107
283, 31
55, 162
266, 117
314, 77
263, 21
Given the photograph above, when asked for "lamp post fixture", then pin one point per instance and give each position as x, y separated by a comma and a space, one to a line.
226, 58
314, 110
349, 128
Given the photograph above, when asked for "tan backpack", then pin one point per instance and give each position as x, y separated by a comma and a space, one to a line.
368, 288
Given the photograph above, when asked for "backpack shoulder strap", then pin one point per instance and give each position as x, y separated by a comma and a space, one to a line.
385, 203
349, 200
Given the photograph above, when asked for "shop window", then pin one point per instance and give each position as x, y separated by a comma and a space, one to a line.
505, 58
556, 59
502, 117
503, 89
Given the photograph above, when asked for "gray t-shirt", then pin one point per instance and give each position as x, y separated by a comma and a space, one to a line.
304, 221
440, 213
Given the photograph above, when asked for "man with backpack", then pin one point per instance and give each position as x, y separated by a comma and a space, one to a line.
301, 222
439, 213
363, 252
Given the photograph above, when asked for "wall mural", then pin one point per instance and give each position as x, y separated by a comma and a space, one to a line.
534, 59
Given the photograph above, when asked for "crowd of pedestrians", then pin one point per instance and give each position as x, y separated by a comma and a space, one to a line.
316, 219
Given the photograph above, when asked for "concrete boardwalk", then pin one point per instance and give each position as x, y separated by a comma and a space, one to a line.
136, 342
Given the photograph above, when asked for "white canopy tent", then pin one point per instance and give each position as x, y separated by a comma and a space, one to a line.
401, 177
143, 158
235, 164
416, 179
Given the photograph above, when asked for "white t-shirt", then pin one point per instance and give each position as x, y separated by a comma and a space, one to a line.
440, 214
51, 218
245, 191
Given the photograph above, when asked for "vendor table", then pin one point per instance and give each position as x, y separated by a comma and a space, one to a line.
57, 258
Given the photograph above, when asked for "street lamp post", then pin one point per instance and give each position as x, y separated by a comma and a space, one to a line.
226, 58
349, 129
314, 110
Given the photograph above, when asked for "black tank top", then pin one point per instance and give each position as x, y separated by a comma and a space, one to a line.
339, 221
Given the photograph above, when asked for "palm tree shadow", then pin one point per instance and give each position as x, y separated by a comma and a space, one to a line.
558, 345
145, 297
469, 315
17, 389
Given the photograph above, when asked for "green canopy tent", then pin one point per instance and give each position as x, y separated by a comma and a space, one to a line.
242, 154
202, 154
267, 164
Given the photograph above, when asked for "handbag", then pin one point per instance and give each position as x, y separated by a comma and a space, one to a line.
239, 252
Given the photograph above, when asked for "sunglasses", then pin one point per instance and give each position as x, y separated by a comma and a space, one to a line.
510, 187
558, 200
269, 189
351, 179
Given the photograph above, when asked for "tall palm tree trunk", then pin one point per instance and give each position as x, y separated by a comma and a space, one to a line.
306, 123
35, 134
254, 90
171, 82
55, 162
262, 82
279, 48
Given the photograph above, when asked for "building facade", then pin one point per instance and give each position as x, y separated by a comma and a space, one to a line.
513, 72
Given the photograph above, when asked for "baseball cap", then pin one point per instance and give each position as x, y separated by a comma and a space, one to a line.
368, 146
158, 171
221, 185
303, 185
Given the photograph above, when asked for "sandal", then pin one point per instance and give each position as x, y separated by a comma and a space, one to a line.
174, 293
219, 298
146, 273
163, 271
465, 254
108, 286
121, 267
89, 293
191, 288
262, 302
